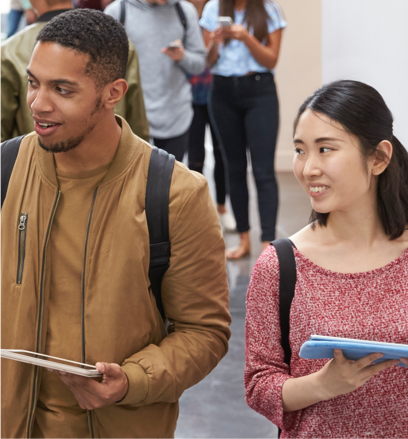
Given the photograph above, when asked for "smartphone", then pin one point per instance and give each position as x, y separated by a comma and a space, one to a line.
174, 46
225, 21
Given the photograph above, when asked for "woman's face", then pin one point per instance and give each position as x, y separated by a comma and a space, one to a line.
329, 165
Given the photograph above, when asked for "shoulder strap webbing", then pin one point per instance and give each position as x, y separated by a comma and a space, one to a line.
157, 214
287, 283
183, 19
122, 17
9, 152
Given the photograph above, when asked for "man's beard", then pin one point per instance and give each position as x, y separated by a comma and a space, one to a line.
63, 146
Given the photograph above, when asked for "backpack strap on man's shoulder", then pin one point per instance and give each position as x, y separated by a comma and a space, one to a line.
122, 17
183, 19
287, 283
157, 214
9, 152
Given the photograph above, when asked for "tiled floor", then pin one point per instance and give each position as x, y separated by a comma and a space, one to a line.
216, 407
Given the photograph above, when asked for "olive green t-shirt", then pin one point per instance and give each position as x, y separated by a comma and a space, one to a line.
58, 414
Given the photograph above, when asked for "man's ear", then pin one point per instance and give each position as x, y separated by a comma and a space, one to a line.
114, 92
382, 157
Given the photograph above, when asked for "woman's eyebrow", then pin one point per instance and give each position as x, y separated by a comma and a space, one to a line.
319, 140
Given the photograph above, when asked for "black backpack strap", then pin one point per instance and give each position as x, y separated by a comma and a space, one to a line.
122, 17
9, 152
157, 214
183, 19
287, 283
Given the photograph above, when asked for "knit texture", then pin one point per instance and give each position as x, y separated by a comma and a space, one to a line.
370, 306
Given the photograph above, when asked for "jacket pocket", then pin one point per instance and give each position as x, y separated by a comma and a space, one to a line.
22, 234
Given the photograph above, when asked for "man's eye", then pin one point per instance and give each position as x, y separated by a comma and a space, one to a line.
63, 91
31, 82
299, 151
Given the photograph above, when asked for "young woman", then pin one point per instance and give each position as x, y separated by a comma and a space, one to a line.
352, 276
244, 103
200, 87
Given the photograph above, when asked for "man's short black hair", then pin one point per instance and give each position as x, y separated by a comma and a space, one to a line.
93, 33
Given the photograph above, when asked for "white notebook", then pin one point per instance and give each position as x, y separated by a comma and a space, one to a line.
29, 357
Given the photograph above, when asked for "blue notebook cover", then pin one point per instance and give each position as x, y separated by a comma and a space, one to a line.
319, 346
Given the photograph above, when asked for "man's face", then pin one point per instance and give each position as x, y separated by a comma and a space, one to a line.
63, 100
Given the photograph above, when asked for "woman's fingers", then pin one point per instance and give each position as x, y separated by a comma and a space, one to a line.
367, 360
375, 368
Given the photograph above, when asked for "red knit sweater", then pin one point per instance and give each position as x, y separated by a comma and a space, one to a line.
369, 306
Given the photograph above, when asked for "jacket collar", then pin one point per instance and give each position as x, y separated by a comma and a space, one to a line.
47, 16
128, 150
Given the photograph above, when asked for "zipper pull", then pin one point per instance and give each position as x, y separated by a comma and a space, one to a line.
23, 218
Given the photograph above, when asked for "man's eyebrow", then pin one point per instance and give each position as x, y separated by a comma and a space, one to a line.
319, 140
56, 81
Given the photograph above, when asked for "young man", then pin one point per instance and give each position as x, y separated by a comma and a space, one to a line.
75, 255
16, 52
154, 26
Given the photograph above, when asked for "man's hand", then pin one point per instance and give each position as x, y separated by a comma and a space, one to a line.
174, 53
91, 394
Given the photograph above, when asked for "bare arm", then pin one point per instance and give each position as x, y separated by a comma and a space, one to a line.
211, 40
337, 377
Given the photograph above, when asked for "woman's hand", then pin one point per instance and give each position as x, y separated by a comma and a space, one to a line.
337, 377
340, 376
405, 361
217, 37
235, 32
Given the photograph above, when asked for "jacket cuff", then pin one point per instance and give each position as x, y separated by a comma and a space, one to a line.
138, 384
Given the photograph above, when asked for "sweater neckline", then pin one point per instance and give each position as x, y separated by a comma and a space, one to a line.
361, 274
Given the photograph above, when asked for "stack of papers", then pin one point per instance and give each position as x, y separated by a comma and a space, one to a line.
320, 346
29, 357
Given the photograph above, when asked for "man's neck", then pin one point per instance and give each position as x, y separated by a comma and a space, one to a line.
96, 150
42, 9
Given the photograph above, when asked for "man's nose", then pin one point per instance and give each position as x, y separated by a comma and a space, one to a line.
40, 102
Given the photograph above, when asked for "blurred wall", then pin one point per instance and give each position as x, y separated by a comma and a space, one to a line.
299, 70
367, 40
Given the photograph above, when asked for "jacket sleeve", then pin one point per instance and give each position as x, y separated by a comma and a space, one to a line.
9, 99
132, 107
194, 58
195, 299
265, 371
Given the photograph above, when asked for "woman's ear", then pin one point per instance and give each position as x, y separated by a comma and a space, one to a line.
382, 157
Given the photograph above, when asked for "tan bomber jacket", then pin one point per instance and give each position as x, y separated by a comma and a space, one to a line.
16, 53
121, 321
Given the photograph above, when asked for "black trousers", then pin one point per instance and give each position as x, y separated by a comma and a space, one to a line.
246, 114
174, 145
196, 150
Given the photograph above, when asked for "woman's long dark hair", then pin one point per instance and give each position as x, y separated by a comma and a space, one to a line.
256, 17
361, 110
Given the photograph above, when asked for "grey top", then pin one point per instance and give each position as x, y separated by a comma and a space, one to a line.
166, 90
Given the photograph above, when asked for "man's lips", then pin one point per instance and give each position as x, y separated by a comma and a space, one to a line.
45, 128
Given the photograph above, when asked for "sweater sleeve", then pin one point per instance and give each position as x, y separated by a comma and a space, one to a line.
265, 371
193, 61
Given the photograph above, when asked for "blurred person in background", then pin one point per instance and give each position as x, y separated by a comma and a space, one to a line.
170, 45
200, 86
18, 8
244, 103
16, 52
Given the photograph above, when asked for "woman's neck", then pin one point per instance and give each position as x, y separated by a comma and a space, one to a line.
240, 4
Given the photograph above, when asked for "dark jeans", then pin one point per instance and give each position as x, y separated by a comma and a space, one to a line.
174, 145
196, 150
246, 114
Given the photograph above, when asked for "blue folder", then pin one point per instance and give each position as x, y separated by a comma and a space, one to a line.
319, 346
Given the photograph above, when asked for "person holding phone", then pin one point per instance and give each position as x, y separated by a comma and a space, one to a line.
243, 42
352, 276
169, 44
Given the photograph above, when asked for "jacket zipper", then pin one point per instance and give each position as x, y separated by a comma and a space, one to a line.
40, 314
22, 227
83, 301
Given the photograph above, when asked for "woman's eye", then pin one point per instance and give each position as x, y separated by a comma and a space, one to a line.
325, 149
299, 151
